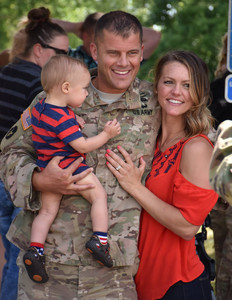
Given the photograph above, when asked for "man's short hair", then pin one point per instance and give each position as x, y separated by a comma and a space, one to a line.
90, 22
119, 23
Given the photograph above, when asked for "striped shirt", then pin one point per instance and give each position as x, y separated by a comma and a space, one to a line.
19, 84
54, 127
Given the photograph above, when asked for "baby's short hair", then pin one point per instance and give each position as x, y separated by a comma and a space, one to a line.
60, 68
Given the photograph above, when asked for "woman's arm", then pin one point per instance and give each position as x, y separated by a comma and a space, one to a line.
129, 177
151, 40
195, 162
72, 27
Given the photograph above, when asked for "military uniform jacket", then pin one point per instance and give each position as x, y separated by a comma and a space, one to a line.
221, 162
139, 117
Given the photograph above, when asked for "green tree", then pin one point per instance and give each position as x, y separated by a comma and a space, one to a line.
189, 25
185, 24
11, 12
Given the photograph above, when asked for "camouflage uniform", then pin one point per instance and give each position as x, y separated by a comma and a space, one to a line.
221, 163
221, 216
68, 262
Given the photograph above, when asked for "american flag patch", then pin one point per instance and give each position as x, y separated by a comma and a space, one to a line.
26, 118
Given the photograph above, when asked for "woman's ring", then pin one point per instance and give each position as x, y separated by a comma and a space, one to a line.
118, 168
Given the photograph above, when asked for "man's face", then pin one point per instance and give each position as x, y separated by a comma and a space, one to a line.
118, 61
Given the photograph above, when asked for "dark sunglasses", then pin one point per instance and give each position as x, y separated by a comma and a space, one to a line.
57, 50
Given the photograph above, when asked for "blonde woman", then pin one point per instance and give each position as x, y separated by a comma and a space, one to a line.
177, 196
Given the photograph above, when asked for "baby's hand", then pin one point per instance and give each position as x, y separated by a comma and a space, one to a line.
112, 128
80, 121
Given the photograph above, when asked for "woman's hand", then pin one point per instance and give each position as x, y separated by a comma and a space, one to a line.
128, 175
61, 181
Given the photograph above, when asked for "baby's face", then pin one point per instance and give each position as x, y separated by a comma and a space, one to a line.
78, 88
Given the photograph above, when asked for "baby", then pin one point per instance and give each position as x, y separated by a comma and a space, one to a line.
56, 132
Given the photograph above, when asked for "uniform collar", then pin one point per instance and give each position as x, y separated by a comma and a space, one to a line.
130, 99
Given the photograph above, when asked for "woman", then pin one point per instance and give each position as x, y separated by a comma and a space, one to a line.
20, 80
19, 84
177, 196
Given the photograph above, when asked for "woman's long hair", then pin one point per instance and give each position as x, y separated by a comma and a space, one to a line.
198, 119
38, 28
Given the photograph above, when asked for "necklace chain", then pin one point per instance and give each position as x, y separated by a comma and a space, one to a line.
169, 142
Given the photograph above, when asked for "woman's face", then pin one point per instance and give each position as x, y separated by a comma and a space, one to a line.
60, 42
173, 89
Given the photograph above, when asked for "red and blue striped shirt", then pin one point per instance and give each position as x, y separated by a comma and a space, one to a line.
54, 127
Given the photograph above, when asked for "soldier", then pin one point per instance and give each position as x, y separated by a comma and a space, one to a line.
221, 163
85, 31
114, 92
221, 181
221, 215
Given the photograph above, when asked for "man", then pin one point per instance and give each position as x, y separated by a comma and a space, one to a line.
85, 31
221, 215
221, 181
115, 92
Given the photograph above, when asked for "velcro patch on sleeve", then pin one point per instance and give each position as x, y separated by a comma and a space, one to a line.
26, 118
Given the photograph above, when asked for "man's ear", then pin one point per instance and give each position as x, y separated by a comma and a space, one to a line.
142, 50
65, 87
93, 51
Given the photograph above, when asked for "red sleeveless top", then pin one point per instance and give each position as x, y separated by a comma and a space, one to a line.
166, 258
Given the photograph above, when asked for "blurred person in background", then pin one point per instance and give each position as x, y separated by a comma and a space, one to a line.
221, 215
19, 84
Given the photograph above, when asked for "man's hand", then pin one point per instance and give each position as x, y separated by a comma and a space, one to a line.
57, 180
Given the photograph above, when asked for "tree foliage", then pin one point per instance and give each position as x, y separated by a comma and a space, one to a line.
11, 12
185, 24
190, 25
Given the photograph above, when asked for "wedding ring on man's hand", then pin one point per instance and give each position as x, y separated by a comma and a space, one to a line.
118, 168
